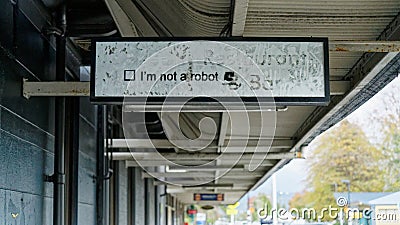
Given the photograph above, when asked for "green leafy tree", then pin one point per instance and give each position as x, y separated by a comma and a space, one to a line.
390, 128
261, 202
346, 153
391, 149
342, 153
300, 201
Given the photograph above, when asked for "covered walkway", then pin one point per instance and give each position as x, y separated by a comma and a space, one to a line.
67, 156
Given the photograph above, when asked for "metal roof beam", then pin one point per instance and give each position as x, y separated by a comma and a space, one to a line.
82, 89
125, 26
339, 87
237, 182
234, 145
195, 164
143, 26
153, 156
364, 46
235, 175
210, 168
230, 190
239, 17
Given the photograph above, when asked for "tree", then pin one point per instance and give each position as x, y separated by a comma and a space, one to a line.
342, 153
390, 128
299, 200
391, 148
345, 152
260, 202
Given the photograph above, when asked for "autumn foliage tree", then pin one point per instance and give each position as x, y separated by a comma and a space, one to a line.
299, 201
389, 119
344, 152
260, 202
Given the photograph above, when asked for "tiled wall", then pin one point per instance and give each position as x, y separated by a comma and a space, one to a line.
27, 126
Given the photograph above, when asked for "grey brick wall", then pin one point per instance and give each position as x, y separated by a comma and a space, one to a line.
27, 126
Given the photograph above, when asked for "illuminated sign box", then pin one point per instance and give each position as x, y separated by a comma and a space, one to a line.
291, 71
208, 197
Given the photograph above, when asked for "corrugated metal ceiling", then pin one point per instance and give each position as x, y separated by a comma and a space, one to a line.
191, 17
338, 20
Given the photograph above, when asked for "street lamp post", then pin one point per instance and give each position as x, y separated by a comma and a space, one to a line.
347, 182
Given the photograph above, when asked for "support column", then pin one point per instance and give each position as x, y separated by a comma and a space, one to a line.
131, 195
150, 214
136, 187
59, 151
100, 168
72, 159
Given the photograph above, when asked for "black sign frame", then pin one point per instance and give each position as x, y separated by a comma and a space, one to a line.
250, 101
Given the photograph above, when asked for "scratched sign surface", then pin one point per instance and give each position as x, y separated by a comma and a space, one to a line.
209, 68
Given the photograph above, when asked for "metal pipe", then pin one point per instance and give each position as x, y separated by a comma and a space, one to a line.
131, 195
114, 181
59, 151
72, 159
100, 167
114, 194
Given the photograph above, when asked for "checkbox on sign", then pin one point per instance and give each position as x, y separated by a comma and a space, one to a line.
129, 75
